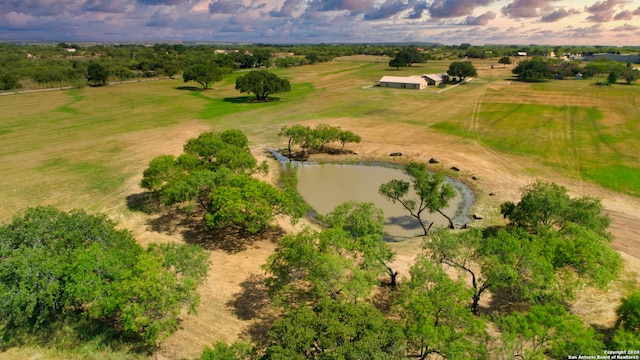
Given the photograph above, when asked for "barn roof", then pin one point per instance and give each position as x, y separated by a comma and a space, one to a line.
402, 79
434, 77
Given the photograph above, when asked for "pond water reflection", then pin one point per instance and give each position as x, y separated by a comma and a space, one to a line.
325, 186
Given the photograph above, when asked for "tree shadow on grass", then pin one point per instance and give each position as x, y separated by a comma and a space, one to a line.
249, 100
75, 333
139, 203
230, 239
253, 303
190, 88
504, 302
491, 231
384, 297
167, 223
252, 300
606, 332
193, 229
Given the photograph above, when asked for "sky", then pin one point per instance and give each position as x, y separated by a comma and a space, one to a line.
450, 22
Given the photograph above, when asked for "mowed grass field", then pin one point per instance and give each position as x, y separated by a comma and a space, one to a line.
77, 148
579, 129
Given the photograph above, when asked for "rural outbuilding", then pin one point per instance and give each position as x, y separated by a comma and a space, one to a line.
434, 79
403, 82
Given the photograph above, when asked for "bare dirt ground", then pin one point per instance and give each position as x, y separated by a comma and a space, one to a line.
234, 303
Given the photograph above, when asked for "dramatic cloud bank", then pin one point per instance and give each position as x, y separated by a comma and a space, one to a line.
562, 22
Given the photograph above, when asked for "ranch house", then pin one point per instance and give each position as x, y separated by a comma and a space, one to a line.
403, 82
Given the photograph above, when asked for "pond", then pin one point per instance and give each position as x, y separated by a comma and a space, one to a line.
325, 186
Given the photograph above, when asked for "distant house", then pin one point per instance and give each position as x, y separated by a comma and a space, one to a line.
280, 55
403, 82
435, 79
521, 53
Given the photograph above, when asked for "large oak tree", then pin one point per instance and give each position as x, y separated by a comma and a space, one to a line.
215, 172
57, 266
462, 69
342, 261
332, 329
262, 83
436, 316
203, 74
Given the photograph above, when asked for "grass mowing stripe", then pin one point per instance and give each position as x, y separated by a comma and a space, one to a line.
88, 176
621, 178
68, 108
215, 107
565, 137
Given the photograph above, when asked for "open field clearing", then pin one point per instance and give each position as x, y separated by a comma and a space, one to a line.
87, 148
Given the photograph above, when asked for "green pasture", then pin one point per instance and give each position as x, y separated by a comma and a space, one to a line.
77, 148
579, 129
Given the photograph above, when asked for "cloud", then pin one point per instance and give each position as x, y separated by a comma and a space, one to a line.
626, 27
16, 20
354, 7
40, 7
558, 14
440, 9
480, 20
624, 15
418, 9
527, 8
605, 5
287, 8
589, 32
225, 7
108, 6
388, 9
286, 21
603, 11
239, 23
162, 18
163, 2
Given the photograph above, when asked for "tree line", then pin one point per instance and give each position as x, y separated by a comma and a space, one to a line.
38, 66
41, 66
535, 69
459, 70
539, 69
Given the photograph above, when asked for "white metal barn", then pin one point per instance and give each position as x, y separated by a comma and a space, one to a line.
403, 82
